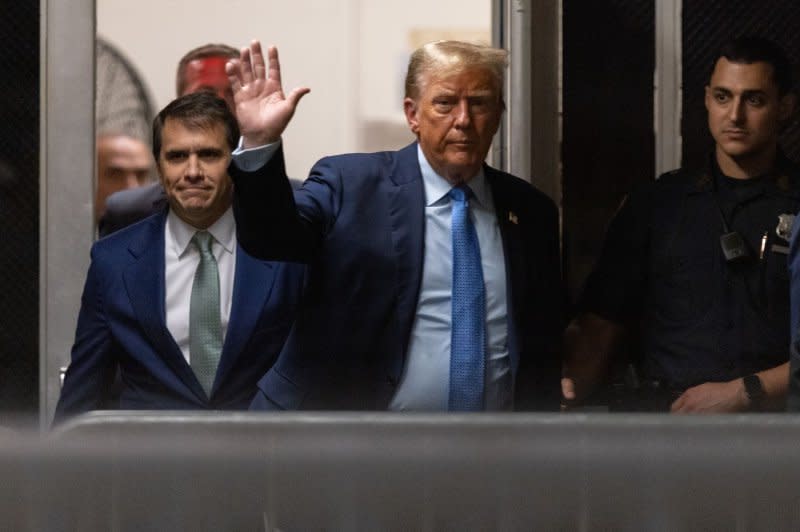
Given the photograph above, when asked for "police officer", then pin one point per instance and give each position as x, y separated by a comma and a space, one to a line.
695, 263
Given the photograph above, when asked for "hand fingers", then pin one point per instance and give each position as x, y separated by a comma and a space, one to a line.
245, 67
274, 73
568, 389
296, 94
677, 407
232, 70
257, 58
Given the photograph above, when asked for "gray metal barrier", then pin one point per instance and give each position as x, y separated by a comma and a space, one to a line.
303, 471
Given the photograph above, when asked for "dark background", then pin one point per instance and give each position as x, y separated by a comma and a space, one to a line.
19, 207
608, 139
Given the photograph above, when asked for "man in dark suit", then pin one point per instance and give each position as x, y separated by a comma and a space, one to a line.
188, 319
201, 69
434, 279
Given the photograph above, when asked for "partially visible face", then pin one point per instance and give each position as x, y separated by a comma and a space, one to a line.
122, 162
208, 73
745, 109
455, 118
193, 165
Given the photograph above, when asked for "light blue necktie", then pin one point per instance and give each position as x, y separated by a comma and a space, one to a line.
205, 327
468, 334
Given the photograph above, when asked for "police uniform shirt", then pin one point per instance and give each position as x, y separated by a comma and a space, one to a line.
662, 267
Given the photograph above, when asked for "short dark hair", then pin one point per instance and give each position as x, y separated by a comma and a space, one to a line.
198, 110
749, 49
207, 50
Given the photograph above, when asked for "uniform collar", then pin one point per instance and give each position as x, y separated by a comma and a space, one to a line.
783, 180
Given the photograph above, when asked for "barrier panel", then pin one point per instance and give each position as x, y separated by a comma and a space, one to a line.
303, 471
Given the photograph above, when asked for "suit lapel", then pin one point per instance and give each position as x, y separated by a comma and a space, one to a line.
515, 258
252, 285
407, 216
144, 282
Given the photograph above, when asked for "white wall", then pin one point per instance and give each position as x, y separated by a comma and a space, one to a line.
352, 53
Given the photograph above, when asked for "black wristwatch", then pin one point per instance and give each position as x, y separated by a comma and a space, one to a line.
754, 390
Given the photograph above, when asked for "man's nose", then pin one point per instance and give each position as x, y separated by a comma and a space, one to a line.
736, 111
463, 118
193, 170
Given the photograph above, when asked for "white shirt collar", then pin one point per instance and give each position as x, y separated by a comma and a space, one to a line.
437, 187
223, 231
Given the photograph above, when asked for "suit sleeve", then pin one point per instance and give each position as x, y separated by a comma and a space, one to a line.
276, 222
89, 378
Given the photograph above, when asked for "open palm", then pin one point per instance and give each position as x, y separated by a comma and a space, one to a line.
262, 109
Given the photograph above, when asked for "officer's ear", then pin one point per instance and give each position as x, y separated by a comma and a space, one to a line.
787, 107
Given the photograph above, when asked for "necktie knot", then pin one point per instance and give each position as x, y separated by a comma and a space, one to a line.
202, 240
460, 193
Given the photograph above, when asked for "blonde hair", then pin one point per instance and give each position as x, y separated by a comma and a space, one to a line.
441, 58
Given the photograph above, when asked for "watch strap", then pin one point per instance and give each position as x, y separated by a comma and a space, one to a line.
754, 390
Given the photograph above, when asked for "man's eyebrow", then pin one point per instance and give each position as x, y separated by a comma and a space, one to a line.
202, 150
745, 91
175, 152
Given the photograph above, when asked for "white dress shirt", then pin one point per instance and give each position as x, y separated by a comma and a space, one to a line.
425, 384
181, 259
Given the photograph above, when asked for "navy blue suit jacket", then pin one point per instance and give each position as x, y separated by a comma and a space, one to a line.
359, 221
122, 327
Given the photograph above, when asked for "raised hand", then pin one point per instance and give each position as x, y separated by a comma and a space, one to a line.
262, 109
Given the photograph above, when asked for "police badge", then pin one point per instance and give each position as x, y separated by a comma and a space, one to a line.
784, 227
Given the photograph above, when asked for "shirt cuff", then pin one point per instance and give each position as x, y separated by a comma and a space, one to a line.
252, 159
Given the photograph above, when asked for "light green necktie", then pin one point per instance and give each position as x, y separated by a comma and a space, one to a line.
205, 327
